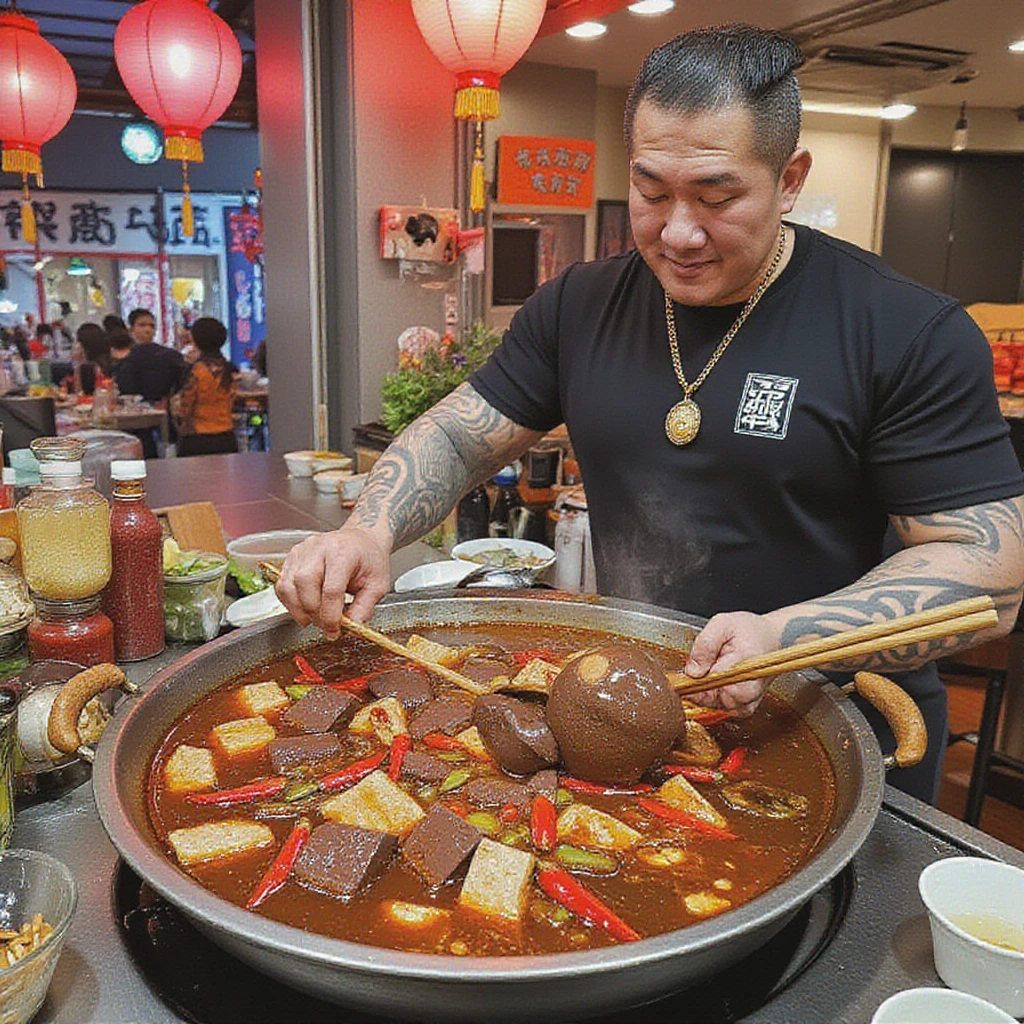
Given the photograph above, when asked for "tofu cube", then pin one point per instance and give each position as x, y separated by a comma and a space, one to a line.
190, 769
385, 718
679, 792
218, 839
437, 653
535, 676
470, 739
415, 917
697, 746
243, 735
375, 803
498, 881
263, 698
705, 904
581, 825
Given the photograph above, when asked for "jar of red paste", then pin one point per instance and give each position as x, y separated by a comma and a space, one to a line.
71, 631
134, 598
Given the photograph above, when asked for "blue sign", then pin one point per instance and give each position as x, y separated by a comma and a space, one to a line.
247, 312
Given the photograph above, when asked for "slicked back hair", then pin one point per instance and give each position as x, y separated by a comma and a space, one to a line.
709, 69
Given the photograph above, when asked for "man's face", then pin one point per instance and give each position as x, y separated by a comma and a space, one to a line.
704, 208
144, 329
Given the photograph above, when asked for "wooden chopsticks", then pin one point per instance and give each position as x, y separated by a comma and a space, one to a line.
966, 616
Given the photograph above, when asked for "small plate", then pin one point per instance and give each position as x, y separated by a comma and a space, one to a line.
471, 550
254, 608
433, 574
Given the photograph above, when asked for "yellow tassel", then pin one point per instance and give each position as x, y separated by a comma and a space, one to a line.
476, 187
177, 147
21, 161
188, 223
28, 222
477, 103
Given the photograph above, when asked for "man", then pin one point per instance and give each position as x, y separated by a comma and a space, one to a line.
150, 369
750, 404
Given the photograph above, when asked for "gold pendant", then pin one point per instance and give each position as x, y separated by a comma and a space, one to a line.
683, 422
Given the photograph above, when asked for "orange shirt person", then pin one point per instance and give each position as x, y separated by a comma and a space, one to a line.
203, 406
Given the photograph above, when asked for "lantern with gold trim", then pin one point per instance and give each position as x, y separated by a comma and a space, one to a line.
37, 97
478, 41
182, 65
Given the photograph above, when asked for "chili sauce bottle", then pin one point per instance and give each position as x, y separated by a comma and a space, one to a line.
134, 598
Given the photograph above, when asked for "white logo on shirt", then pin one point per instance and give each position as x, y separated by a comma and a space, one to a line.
765, 405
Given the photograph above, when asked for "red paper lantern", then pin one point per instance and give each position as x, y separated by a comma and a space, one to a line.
182, 64
478, 41
37, 97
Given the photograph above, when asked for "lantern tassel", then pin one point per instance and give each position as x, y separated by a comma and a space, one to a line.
477, 103
21, 161
28, 215
188, 221
477, 199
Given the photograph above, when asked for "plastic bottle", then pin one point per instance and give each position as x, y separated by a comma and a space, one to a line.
505, 500
134, 598
474, 515
10, 480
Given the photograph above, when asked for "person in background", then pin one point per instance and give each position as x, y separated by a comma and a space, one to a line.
62, 341
112, 322
121, 344
19, 341
94, 364
259, 358
41, 345
203, 406
150, 369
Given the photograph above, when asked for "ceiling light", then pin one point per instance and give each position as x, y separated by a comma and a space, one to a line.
652, 6
960, 130
587, 30
889, 112
78, 267
1017, 47
141, 143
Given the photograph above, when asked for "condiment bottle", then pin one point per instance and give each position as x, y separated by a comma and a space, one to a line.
71, 631
134, 598
65, 526
505, 500
10, 479
474, 515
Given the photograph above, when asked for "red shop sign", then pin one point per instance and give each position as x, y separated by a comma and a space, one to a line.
537, 171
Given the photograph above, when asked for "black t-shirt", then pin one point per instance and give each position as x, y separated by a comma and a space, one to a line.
151, 370
850, 393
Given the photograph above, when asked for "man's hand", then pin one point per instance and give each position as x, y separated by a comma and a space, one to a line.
319, 572
727, 639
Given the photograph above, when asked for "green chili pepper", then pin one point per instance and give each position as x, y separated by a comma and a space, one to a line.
427, 794
455, 779
299, 791
484, 821
563, 797
518, 836
451, 755
297, 692
585, 860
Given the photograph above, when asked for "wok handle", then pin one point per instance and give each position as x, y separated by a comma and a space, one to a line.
900, 711
62, 726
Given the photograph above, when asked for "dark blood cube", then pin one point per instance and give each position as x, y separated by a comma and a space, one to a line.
439, 844
424, 767
447, 716
410, 688
320, 709
288, 754
342, 859
497, 793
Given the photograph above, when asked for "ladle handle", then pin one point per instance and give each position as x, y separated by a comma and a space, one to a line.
900, 711
62, 726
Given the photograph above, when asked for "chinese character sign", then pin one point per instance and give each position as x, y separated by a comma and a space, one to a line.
535, 171
246, 300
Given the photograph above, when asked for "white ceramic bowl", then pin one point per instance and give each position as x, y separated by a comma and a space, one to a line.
254, 608
331, 461
300, 463
965, 895
433, 574
352, 486
473, 550
938, 1006
272, 546
330, 480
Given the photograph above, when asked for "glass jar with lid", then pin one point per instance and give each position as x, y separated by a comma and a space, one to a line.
16, 612
71, 631
65, 526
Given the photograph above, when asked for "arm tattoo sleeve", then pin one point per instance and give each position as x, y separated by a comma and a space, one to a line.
454, 446
950, 556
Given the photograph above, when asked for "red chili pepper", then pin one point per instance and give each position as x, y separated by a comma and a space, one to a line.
242, 795
678, 817
522, 658
692, 772
307, 674
734, 761
509, 813
543, 824
353, 773
359, 684
459, 807
560, 886
400, 746
438, 741
278, 872
710, 717
579, 786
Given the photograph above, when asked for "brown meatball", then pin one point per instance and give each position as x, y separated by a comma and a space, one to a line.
515, 733
614, 714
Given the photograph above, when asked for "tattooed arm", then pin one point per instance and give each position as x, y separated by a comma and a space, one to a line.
459, 443
948, 556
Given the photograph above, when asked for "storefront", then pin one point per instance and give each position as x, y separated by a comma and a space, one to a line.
101, 253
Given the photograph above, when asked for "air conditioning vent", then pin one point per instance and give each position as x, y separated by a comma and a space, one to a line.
880, 71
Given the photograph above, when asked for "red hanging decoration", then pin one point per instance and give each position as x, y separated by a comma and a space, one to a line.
37, 97
478, 41
182, 65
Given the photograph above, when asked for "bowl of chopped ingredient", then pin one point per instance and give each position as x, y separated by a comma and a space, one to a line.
193, 594
506, 553
38, 895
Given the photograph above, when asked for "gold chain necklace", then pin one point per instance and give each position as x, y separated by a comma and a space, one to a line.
683, 419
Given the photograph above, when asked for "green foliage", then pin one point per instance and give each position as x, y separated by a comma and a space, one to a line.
417, 385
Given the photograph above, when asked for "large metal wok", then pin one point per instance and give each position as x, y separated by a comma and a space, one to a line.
430, 987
